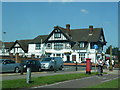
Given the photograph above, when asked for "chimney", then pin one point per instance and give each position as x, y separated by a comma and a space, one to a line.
68, 28
91, 28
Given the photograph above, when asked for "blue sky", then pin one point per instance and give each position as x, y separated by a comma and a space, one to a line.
27, 20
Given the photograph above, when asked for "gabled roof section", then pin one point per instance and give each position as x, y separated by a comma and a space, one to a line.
8, 45
85, 35
39, 39
23, 44
63, 30
81, 34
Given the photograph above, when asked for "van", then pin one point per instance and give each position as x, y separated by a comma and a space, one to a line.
51, 63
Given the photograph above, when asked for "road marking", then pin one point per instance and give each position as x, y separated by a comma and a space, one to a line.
109, 79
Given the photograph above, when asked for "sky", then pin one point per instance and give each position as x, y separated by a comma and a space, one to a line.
27, 20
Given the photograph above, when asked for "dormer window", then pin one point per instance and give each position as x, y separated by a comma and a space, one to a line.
81, 45
57, 35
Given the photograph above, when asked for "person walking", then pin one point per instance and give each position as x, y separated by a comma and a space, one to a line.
107, 63
100, 67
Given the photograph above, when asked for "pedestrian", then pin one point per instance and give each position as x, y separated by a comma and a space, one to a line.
100, 67
107, 63
113, 63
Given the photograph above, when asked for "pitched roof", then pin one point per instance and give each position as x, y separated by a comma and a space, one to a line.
8, 45
23, 44
39, 39
85, 35
82, 34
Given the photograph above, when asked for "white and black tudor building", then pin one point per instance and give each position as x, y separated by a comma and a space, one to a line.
70, 44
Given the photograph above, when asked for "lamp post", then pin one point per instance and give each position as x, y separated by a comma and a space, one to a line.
3, 44
110, 68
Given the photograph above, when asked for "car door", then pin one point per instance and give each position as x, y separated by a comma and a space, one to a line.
4, 66
9, 66
33, 66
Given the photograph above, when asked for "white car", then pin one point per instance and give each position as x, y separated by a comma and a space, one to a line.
7, 65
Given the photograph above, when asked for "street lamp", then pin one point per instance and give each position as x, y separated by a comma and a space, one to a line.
3, 44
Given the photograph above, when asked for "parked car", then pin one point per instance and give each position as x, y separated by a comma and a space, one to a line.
83, 62
69, 62
50, 63
33, 64
7, 65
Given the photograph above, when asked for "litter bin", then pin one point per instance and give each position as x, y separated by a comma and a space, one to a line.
88, 65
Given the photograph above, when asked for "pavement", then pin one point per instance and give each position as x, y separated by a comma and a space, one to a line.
83, 82
73, 84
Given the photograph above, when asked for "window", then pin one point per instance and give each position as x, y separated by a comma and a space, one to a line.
49, 46
58, 46
82, 56
81, 45
58, 55
57, 35
38, 46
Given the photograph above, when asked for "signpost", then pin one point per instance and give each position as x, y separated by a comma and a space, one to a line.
95, 47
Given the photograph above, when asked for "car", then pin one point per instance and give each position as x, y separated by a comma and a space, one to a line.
52, 63
8, 65
33, 64
83, 62
69, 62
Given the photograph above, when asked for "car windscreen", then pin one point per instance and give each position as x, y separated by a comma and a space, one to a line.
26, 61
46, 59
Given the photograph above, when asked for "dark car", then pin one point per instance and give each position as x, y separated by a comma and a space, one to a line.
83, 62
69, 62
33, 64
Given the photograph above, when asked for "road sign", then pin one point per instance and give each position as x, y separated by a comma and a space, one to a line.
95, 46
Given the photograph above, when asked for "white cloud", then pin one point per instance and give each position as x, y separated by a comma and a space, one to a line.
84, 11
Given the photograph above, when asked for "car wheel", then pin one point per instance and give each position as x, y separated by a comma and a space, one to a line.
61, 67
16, 70
39, 69
51, 68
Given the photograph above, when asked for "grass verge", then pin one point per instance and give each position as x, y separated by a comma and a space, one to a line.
109, 84
37, 81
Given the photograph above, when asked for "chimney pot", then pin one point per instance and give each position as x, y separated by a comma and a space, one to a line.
91, 28
68, 26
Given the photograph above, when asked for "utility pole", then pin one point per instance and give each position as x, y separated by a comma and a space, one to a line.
110, 68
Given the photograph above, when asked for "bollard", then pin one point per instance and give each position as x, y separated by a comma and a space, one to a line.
76, 66
28, 75
54, 66
21, 69
88, 65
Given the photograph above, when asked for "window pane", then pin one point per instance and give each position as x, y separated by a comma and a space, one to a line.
37, 46
57, 35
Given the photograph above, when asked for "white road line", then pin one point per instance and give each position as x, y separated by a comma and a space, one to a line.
109, 79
